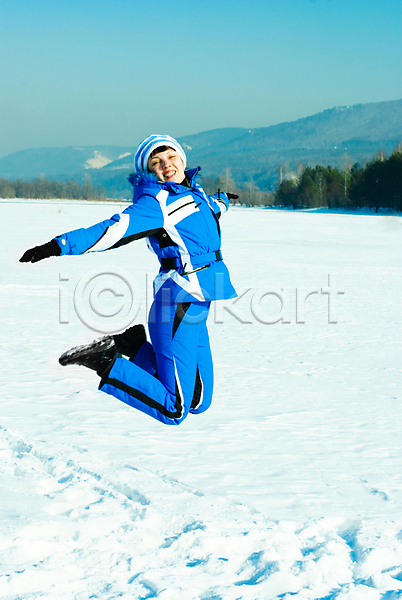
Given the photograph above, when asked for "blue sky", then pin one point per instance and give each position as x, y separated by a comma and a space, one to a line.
86, 72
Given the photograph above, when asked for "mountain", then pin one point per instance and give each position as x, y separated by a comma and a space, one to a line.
337, 136
59, 162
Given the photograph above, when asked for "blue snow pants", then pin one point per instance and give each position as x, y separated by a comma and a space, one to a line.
173, 375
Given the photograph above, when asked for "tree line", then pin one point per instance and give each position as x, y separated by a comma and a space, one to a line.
376, 185
249, 193
51, 188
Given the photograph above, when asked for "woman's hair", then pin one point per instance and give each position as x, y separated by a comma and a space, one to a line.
159, 149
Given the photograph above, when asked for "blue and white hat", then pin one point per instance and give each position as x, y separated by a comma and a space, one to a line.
150, 144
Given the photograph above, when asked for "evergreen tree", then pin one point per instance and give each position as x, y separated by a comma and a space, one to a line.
307, 192
286, 194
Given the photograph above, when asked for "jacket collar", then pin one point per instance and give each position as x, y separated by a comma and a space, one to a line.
191, 176
144, 180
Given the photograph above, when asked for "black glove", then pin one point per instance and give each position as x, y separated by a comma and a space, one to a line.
33, 255
232, 196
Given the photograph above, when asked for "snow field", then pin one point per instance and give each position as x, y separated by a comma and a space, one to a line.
133, 534
288, 487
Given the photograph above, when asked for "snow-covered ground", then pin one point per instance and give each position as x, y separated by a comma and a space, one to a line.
289, 487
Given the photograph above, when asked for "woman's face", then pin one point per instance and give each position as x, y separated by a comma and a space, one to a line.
167, 166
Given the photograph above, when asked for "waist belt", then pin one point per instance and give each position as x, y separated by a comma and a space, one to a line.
198, 261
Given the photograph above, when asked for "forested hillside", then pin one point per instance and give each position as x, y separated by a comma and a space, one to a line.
377, 185
258, 159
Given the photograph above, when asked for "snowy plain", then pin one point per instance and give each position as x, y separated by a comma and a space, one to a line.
289, 487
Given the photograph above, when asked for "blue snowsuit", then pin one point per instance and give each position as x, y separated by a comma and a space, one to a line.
174, 375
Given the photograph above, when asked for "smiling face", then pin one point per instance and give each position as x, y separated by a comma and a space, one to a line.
167, 165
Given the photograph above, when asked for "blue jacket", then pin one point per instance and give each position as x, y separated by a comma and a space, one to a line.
182, 227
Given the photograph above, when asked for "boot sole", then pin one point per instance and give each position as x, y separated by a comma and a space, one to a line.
73, 354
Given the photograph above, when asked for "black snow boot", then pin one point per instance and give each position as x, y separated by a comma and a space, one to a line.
99, 355
130, 341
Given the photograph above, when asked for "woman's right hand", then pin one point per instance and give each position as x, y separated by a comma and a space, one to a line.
38, 253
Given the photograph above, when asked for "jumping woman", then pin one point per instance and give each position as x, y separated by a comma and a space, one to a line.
172, 375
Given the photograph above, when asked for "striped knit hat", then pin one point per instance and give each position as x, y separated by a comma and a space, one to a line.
150, 144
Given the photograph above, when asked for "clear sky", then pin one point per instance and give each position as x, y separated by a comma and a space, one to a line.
88, 72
